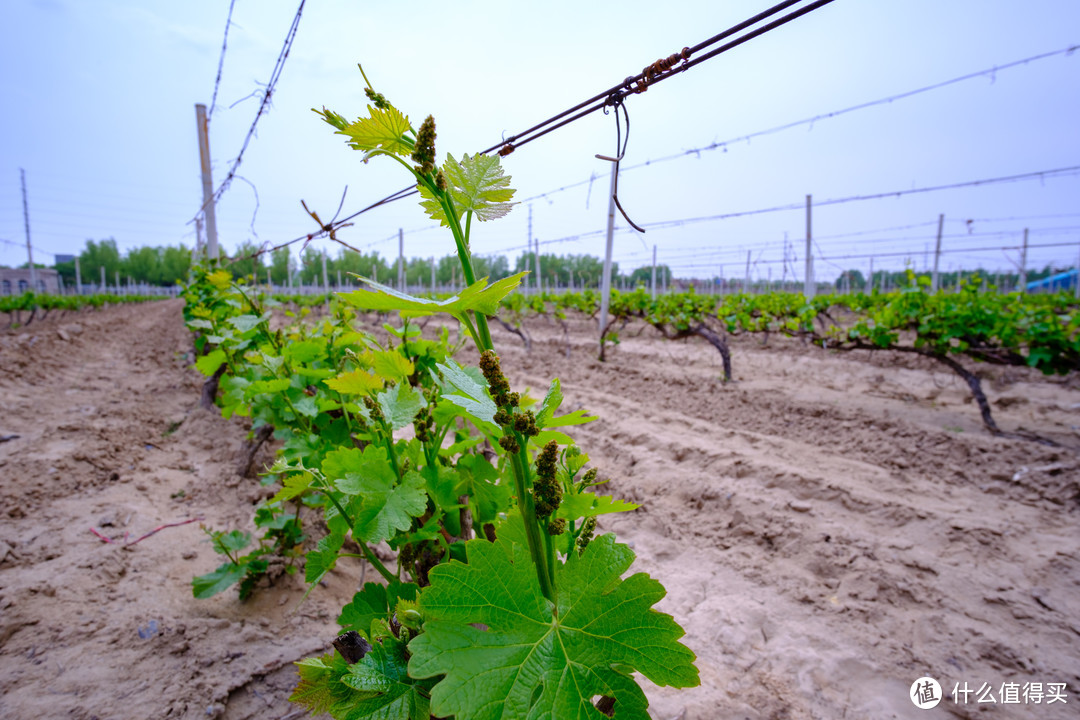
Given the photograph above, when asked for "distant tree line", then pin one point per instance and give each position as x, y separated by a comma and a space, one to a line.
855, 280
163, 265
556, 270
166, 265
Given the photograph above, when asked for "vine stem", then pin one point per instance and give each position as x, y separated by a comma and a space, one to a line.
537, 548
541, 553
519, 461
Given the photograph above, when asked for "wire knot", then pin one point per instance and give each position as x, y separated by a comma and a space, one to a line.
651, 73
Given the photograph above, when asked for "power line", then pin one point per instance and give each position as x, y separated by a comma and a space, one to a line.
635, 84
275, 75
221, 59
658, 72
904, 254
22, 245
1041, 174
722, 145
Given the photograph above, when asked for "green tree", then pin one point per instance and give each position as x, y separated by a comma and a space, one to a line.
247, 261
855, 280
365, 265
642, 276
143, 265
97, 255
494, 268
175, 264
279, 266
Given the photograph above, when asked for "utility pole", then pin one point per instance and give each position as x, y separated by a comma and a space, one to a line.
78, 277
26, 222
325, 281
401, 260
536, 257
339, 279
746, 278
207, 182
1023, 264
1076, 280
808, 287
652, 284
529, 242
605, 284
937, 254
870, 280
432, 274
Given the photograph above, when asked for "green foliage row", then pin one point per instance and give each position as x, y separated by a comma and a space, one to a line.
29, 301
1038, 330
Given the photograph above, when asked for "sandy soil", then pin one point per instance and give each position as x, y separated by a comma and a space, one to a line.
829, 527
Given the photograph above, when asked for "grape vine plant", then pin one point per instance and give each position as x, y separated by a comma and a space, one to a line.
504, 601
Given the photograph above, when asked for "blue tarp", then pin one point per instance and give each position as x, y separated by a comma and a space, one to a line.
1061, 281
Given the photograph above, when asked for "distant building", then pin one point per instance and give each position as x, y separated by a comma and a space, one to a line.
16, 281
1062, 281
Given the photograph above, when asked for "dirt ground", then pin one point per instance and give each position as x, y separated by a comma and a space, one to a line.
829, 527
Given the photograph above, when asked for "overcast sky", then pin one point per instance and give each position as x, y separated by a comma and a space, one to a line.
99, 100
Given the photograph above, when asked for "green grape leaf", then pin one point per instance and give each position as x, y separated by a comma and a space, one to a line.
532, 662
387, 511
578, 417
373, 602
314, 373
273, 363
478, 297
383, 130
274, 385
587, 504
391, 364
377, 687
322, 559
481, 484
227, 575
243, 323
545, 436
383, 676
467, 393
292, 486
551, 403
304, 350
356, 382
476, 184
235, 541
306, 406
386, 507
210, 362
320, 683
400, 404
